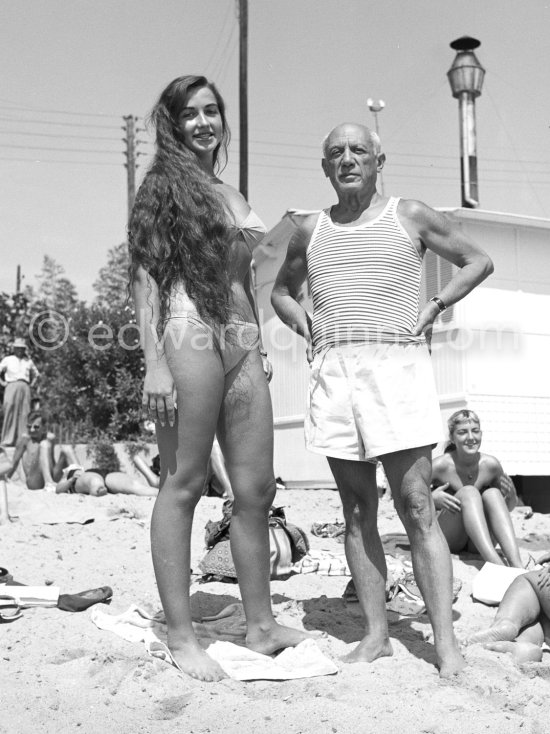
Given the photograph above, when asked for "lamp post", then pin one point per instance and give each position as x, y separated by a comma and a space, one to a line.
375, 108
466, 79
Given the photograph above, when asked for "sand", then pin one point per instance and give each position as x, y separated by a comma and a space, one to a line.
59, 673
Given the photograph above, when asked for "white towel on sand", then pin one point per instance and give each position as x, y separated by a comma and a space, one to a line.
303, 661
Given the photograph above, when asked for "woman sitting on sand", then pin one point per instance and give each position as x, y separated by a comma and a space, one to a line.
473, 495
522, 622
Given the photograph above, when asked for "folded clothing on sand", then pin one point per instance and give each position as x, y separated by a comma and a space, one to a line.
305, 660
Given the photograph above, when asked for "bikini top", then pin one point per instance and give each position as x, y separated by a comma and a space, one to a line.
250, 230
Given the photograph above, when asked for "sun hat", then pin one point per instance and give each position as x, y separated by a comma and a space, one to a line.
19, 343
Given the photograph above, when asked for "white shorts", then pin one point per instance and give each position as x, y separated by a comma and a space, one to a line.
366, 400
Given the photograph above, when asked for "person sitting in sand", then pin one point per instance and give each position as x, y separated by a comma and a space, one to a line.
35, 452
473, 495
522, 622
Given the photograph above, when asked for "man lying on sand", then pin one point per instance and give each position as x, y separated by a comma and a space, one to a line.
35, 452
522, 622
64, 475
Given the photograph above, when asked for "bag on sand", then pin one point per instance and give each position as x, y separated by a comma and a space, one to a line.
287, 544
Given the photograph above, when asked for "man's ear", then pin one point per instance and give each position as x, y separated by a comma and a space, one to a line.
381, 161
324, 167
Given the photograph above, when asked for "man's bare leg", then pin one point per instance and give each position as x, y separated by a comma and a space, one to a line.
356, 481
4, 513
409, 476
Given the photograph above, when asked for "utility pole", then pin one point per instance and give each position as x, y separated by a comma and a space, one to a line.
243, 97
130, 153
18, 279
375, 108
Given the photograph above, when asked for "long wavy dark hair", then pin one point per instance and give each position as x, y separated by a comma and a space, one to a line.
179, 229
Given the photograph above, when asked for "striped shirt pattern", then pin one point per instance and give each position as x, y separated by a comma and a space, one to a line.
364, 281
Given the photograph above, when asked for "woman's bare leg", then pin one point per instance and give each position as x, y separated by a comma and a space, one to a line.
519, 609
452, 526
150, 476
516, 628
245, 432
118, 482
220, 471
475, 523
184, 450
500, 524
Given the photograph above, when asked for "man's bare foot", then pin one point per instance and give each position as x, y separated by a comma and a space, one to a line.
369, 650
276, 637
502, 630
522, 652
451, 663
191, 659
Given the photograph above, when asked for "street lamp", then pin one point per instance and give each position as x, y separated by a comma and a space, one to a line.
466, 79
375, 108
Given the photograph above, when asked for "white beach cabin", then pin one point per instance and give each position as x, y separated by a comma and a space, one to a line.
491, 352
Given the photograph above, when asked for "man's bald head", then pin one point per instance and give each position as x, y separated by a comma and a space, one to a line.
352, 128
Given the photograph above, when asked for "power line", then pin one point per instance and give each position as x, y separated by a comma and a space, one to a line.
222, 58
62, 124
55, 160
61, 150
56, 112
218, 40
58, 135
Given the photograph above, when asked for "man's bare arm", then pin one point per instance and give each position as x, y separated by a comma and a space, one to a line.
290, 279
444, 237
17, 454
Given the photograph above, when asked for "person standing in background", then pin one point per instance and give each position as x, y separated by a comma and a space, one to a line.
18, 375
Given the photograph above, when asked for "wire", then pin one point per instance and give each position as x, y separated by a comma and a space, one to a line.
222, 59
62, 124
53, 160
62, 150
57, 112
218, 40
54, 135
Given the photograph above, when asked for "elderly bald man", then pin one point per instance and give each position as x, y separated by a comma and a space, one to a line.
372, 393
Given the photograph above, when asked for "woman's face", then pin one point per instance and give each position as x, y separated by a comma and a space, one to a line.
466, 436
200, 123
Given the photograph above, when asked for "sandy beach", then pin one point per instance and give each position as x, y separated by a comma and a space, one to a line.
60, 673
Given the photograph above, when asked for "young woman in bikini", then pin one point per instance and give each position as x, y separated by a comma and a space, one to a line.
191, 242
473, 495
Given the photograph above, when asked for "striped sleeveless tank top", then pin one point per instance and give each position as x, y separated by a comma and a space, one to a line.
364, 281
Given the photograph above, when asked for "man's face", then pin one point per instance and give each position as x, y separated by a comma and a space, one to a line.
36, 429
20, 352
350, 161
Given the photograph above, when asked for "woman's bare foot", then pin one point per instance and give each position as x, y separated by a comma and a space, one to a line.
369, 650
451, 663
522, 652
192, 660
276, 637
503, 630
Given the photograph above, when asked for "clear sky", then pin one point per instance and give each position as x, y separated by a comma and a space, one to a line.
72, 68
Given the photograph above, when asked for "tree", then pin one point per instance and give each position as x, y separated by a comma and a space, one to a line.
111, 285
55, 290
88, 355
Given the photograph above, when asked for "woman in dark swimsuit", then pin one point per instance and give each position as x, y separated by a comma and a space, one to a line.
191, 241
473, 495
